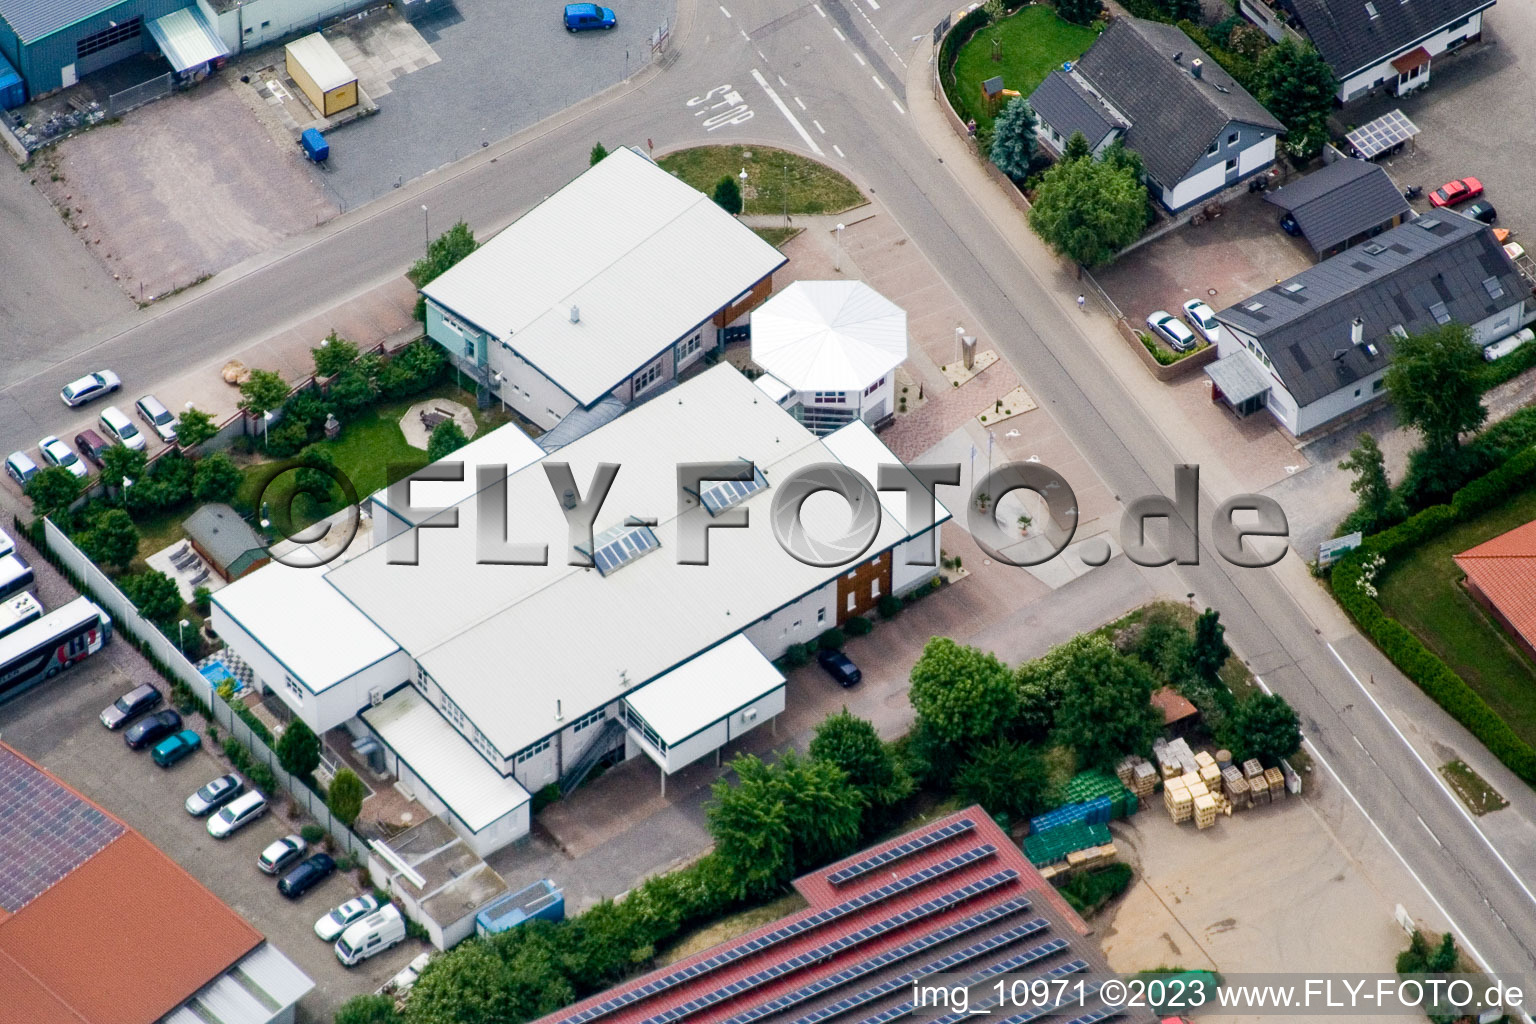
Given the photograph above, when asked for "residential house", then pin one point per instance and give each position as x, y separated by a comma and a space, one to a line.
611, 287
1196, 130
1315, 347
1342, 204
1501, 577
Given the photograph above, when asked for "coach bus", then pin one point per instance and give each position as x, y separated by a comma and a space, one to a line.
16, 612
46, 647
15, 575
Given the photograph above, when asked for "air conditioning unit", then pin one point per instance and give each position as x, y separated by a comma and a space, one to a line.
376, 695
749, 715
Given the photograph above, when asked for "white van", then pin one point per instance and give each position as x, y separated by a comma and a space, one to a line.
373, 934
238, 813
121, 429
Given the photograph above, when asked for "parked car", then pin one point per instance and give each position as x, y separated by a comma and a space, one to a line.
1458, 191
159, 418
173, 748
91, 445
237, 814
1172, 330
372, 935
152, 729
840, 667
121, 429
130, 705
89, 387
580, 17
1482, 211
402, 983
215, 795
20, 467
334, 923
1203, 319
57, 453
1289, 226
306, 876
282, 855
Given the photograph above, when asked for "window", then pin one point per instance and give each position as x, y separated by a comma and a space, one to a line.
1399, 331
1232, 164
1254, 307
1370, 9
796, 625
1215, 145
1357, 392
469, 348
874, 387
690, 346
591, 719
612, 549
1232, 139
108, 38
422, 679
874, 590
1440, 313
1493, 288
648, 376
821, 616
1294, 287
452, 713
850, 602
831, 397
1376, 385
534, 751
298, 691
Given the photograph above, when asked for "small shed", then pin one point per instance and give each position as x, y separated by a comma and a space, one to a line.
321, 74
225, 541
1178, 713
541, 901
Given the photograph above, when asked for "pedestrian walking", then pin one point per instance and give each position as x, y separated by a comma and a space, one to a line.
1082, 302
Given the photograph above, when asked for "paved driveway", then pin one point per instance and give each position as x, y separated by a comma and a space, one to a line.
56, 726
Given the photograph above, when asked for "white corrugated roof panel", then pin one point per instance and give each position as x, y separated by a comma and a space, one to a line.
507, 641
505, 446
775, 389
322, 63
700, 692
444, 760
642, 256
253, 991
187, 39
280, 978
829, 335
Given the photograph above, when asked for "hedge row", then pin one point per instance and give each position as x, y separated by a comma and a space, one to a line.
1406, 651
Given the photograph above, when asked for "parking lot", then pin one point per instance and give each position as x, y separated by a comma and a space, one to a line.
56, 725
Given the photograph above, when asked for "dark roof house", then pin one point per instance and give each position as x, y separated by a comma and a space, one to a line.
1066, 104
225, 540
1343, 203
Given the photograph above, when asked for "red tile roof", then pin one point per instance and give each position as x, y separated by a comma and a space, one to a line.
1504, 569
1174, 706
123, 938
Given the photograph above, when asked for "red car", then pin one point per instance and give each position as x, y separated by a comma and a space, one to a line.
1458, 191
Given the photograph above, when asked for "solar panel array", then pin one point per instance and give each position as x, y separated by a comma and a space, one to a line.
1012, 963
827, 950
890, 956
896, 853
1376, 137
46, 832
789, 931
730, 493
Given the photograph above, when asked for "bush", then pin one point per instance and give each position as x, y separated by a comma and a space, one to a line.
832, 640
216, 478
310, 408
544, 797
312, 834
237, 754
262, 778
352, 391
797, 655
286, 439
890, 606
202, 600
1088, 891
346, 795
298, 749
858, 626
368, 1009
332, 355
257, 726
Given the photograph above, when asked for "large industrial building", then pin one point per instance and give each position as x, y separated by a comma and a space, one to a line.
482, 683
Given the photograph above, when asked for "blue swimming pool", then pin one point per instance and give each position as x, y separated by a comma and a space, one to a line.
217, 673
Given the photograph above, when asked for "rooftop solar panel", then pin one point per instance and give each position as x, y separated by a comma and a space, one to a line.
45, 833
1374, 138
906, 849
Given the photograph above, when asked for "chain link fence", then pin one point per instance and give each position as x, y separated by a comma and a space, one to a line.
119, 103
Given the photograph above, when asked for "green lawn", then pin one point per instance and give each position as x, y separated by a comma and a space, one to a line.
1421, 591
813, 187
1035, 42
776, 237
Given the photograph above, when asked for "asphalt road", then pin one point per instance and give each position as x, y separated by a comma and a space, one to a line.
838, 69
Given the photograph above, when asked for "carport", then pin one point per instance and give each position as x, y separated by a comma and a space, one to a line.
188, 41
1239, 382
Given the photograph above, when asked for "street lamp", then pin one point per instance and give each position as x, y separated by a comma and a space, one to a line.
266, 422
426, 224
180, 640
960, 345
500, 380
837, 264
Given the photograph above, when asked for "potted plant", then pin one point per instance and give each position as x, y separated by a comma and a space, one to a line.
1024, 524
982, 501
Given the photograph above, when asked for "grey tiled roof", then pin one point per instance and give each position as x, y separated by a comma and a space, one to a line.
1062, 102
1350, 39
1341, 200
219, 530
1174, 116
1393, 280
32, 20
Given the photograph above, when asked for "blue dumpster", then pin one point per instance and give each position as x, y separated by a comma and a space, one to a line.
315, 146
12, 92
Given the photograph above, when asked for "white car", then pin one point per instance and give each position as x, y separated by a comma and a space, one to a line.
57, 453
333, 924
236, 814
1203, 319
1172, 330
282, 855
92, 385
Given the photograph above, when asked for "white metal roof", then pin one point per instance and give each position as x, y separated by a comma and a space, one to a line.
444, 760
505, 446
323, 64
243, 994
775, 389
187, 39
829, 335
305, 623
642, 256
507, 641
700, 692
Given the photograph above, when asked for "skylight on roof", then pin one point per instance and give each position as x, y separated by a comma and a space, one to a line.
1254, 307
1373, 248
725, 494
1441, 314
1370, 9
617, 547
1399, 330
1427, 223
1294, 287
1494, 289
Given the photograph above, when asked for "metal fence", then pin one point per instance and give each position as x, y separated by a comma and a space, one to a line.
119, 103
128, 621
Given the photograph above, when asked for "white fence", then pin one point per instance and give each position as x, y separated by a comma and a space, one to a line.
128, 622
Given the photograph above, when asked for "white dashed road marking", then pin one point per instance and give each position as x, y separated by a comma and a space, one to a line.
819, 10
781, 81
800, 102
840, 152
784, 109
859, 59
724, 11
819, 127
878, 82
899, 108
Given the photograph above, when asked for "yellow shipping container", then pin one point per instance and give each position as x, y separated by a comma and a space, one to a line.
323, 77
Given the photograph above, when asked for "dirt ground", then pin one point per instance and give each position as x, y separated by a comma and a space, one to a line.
180, 191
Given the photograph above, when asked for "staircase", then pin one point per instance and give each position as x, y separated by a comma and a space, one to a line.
596, 750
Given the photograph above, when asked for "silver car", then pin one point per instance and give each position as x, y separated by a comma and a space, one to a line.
1203, 319
215, 795
333, 924
153, 412
1172, 330
57, 453
91, 386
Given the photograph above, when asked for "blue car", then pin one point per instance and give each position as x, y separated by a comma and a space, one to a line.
172, 749
579, 17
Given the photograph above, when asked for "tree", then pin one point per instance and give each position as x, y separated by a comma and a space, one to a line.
311, 477
443, 252
333, 355
53, 490
1297, 86
1079, 12
1210, 650
963, 694
598, 154
1181, 10
155, 595
852, 744
193, 427
447, 437
1435, 380
346, 795
1378, 506
352, 391
113, 540
728, 195
751, 832
1013, 139
368, 1009
1264, 726
1005, 777
216, 478
262, 392
1116, 154
119, 463
1088, 210
298, 749
994, 10
1444, 959
1106, 710
470, 985
1076, 149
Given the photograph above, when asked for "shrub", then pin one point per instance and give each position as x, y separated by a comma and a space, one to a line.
287, 438
308, 407
544, 797
797, 655
352, 391
216, 478
262, 778
312, 834
346, 795
832, 640
237, 754
332, 355
202, 600
298, 750
858, 626
257, 726
1087, 891
890, 606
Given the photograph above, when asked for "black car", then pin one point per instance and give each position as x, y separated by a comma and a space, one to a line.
839, 667
130, 705
1483, 212
306, 876
152, 729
